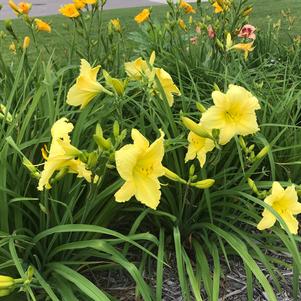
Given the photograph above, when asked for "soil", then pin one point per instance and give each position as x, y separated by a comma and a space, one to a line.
232, 288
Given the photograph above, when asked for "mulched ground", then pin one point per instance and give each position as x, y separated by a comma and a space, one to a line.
233, 284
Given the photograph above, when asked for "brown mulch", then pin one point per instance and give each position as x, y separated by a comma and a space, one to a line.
233, 284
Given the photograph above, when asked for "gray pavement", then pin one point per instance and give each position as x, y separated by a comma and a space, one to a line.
50, 7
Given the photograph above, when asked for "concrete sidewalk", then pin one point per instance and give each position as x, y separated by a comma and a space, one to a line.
46, 7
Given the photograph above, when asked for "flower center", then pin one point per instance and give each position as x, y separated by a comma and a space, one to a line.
145, 170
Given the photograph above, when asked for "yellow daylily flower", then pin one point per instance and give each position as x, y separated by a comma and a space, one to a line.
116, 24
139, 68
69, 10
79, 4
86, 87
143, 16
167, 85
136, 69
198, 147
22, 8
245, 47
140, 165
217, 7
187, 7
233, 113
42, 26
62, 155
285, 203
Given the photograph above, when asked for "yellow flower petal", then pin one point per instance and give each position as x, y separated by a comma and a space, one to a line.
291, 222
126, 192
148, 191
267, 221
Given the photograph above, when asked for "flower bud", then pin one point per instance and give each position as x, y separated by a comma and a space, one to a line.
200, 107
116, 128
26, 42
6, 282
219, 44
242, 143
263, 152
100, 140
173, 176
4, 114
191, 171
229, 42
195, 128
31, 168
5, 292
43, 209
116, 84
203, 184
92, 159
253, 186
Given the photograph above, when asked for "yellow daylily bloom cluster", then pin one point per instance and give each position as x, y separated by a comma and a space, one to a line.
62, 155
140, 69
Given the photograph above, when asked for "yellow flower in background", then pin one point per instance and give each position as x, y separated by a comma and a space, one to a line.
167, 85
245, 47
86, 87
187, 7
136, 69
198, 147
89, 1
79, 4
13, 48
26, 42
116, 24
182, 24
143, 16
285, 203
69, 10
21, 8
233, 113
140, 165
42, 26
140, 69
24, 7
62, 155
217, 7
